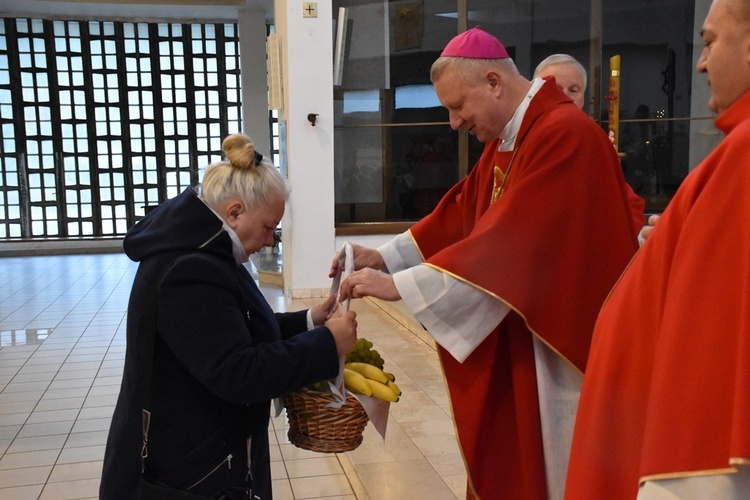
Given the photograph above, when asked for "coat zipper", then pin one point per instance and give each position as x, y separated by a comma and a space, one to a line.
227, 460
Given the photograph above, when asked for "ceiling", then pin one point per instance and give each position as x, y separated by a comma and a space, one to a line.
136, 9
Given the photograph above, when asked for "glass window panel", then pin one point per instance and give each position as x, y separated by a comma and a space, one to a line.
416, 96
45, 113
27, 79
367, 101
45, 128
24, 45
40, 60
656, 75
42, 95
75, 44
75, 111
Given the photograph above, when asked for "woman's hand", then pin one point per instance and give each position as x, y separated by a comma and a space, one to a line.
322, 312
369, 283
344, 330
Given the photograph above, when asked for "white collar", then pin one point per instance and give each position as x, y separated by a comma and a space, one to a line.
238, 251
510, 132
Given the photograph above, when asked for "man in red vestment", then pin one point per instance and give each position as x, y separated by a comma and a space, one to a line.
664, 411
570, 76
505, 273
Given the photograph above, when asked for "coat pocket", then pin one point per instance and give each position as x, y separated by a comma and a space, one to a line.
226, 462
214, 464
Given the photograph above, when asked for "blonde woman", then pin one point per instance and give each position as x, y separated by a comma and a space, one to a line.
220, 354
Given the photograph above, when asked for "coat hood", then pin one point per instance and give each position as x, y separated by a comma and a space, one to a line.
179, 224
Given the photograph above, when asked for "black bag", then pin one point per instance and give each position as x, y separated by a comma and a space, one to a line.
148, 490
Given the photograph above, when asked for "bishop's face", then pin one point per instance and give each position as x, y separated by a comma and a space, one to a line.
472, 104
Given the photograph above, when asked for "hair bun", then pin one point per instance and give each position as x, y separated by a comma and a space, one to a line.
240, 151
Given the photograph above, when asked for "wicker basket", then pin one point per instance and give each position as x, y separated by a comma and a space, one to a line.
313, 426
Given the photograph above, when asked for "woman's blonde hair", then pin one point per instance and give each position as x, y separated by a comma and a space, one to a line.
245, 174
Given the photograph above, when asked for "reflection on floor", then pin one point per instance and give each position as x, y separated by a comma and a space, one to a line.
62, 336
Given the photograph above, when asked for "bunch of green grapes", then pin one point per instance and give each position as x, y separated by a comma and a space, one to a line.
321, 386
364, 353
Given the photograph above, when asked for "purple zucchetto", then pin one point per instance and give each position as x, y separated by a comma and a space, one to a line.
475, 44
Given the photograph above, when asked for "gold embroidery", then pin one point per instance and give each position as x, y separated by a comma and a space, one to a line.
497, 184
500, 178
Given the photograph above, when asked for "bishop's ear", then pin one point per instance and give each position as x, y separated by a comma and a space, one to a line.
493, 79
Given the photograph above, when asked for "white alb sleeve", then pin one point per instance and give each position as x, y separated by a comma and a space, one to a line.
457, 315
400, 253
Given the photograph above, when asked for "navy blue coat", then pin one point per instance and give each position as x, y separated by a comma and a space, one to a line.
220, 356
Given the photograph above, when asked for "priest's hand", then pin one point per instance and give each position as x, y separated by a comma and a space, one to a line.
652, 220
363, 258
369, 283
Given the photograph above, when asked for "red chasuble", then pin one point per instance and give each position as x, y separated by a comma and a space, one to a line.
667, 390
550, 246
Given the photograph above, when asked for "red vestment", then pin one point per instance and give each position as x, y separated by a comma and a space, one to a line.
551, 247
667, 389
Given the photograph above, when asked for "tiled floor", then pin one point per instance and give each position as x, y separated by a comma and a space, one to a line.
62, 335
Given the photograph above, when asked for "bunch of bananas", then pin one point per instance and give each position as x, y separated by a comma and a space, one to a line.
363, 374
369, 380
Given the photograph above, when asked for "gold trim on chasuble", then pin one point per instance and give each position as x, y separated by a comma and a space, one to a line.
499, 178
511, 306
497, 184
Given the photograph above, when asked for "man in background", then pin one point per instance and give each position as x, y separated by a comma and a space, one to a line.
569, 74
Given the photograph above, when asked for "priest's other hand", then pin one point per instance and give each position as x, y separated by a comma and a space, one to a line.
369, 283
363, 257
651, 223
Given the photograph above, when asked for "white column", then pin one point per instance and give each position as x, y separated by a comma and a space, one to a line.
308, 225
